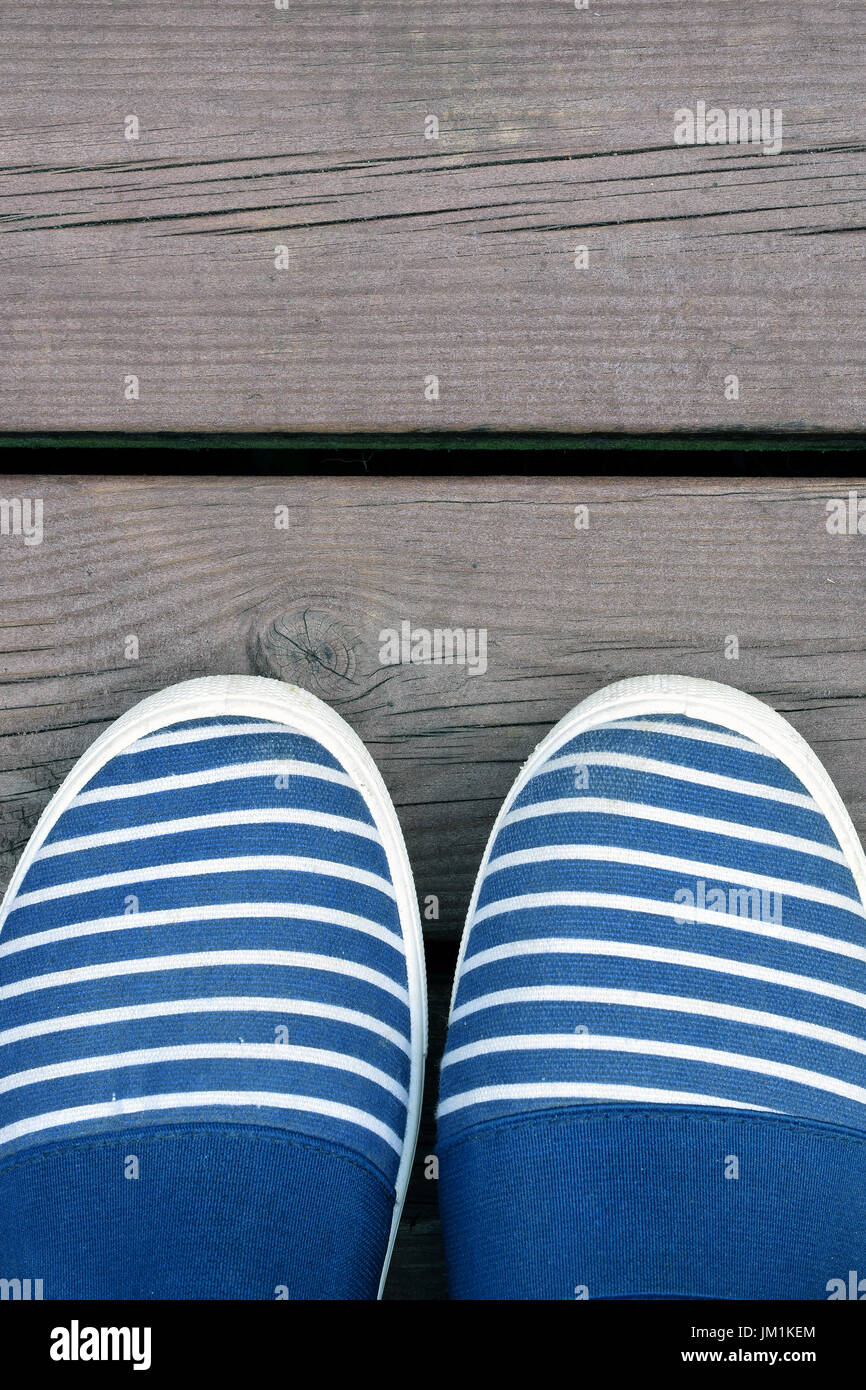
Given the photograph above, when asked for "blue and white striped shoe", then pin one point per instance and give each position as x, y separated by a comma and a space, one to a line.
655, 1077
212, 1010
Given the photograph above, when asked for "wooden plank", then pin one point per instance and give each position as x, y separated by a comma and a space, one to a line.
197, 570
409, 257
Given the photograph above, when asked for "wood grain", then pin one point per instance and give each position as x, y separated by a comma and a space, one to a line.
409, 257
197, 570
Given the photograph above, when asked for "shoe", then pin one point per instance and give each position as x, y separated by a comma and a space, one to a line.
654, 1084
212, 1010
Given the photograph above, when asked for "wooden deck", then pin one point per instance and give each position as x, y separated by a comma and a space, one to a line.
666, 570
283, 247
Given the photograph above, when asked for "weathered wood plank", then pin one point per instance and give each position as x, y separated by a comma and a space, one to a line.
409, 257
197, 570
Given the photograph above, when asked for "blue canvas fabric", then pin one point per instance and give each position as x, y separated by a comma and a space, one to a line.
217, 1212
665, 969
205, 955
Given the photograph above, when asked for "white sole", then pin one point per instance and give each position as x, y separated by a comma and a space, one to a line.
260, 698
698, 699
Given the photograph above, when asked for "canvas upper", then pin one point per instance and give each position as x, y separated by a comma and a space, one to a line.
206, 951
666, 934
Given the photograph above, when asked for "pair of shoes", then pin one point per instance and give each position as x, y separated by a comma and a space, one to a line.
213, 1013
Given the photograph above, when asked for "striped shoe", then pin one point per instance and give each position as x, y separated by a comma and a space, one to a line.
212, 1010
655, 1076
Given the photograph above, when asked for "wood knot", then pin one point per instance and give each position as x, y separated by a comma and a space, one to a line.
313, 648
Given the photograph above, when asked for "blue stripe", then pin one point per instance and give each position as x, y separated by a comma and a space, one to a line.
201, 754
301, 793
655, 837
314, 842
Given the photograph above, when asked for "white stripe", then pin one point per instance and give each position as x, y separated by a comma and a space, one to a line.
697, 735
632, 951
650, 1047
242, 863
190, 1100
662, 815
194, 1052
233, 1003
657, 768
585, 1090
616, 854
669, 1003
197, 960
203, 733
266, 816
705, 916
270, 767
217, 912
